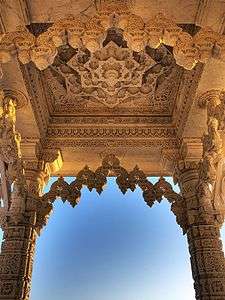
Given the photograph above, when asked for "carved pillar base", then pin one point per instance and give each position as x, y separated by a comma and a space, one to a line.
208, 262
16, 261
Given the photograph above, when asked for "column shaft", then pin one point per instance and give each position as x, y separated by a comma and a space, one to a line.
207, 261
203, 234
16, 261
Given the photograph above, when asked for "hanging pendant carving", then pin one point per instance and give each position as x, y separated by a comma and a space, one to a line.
125, 180
90, 33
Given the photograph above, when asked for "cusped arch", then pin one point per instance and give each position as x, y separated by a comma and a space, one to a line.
152, 192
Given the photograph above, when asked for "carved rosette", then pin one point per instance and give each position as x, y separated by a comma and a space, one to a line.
111, 76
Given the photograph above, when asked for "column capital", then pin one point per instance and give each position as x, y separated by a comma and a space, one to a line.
37, 174
39, 170
198, 177
211, 98
183, 168
191, 149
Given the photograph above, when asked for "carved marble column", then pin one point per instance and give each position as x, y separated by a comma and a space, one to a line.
24, 212
201, 221
16, 259
21, 224
208, 262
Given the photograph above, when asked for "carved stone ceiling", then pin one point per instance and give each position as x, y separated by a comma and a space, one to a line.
114, 80
140, 106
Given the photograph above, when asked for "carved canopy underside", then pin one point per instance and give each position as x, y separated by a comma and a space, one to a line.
139, 106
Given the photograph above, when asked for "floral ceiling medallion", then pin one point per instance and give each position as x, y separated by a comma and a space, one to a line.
112, 73
114, 77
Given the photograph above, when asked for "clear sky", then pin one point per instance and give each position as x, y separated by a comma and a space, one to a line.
112, 247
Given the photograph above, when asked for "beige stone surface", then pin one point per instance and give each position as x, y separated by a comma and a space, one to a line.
129, 89
142, 122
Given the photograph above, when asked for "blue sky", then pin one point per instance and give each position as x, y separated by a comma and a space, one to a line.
112, 247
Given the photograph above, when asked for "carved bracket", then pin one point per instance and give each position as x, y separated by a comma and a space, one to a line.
214, 101
90, 34
210, 171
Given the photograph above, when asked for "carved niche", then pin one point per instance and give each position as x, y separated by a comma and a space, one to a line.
113, 79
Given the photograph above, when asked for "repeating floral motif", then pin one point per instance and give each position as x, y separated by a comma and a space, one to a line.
16, 263
208, 262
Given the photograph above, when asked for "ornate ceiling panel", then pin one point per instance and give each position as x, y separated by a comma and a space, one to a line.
90, 92
114, 80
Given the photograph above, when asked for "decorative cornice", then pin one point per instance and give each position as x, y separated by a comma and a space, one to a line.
110, 120
114, 143
111, 132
